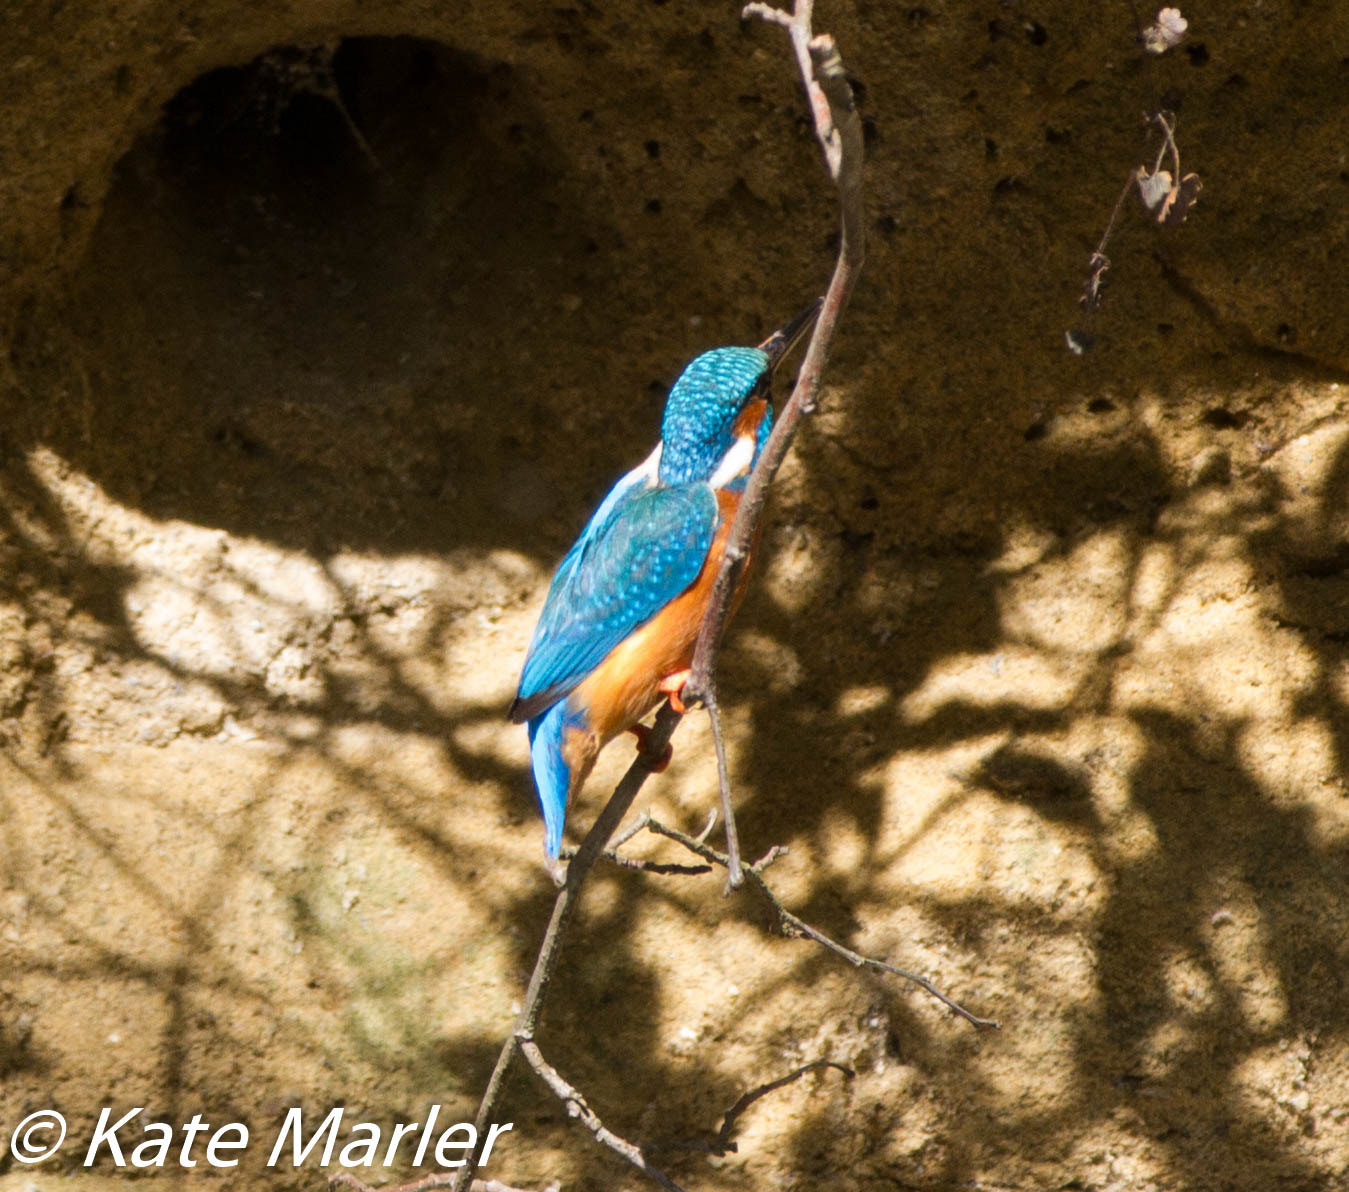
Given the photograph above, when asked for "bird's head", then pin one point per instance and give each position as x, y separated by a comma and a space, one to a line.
700, 439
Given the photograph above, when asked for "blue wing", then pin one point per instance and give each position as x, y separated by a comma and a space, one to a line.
641, 549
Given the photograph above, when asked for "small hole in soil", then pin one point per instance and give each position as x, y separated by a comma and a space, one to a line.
1221, 418
316, 260
1100, 405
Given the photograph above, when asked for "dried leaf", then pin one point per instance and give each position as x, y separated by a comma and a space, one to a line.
1153, 189
1167, 31
1179, 200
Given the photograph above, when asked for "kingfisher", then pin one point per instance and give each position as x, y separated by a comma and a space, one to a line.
619, 625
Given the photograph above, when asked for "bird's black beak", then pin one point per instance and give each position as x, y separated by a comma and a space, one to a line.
781, 342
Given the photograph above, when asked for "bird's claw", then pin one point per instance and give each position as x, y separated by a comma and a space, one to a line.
661, 761
673, 687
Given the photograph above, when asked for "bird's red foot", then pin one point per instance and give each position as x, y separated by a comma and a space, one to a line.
673, 686
643, 735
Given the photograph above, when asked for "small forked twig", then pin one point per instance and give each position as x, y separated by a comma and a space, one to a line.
578, 1109
792, 925
614, 857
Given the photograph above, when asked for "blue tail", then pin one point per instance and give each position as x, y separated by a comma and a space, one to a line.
552, 776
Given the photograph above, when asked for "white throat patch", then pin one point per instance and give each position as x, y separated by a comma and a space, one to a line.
734, 463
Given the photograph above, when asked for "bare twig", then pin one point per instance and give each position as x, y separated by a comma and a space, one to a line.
723, 1142
577, 1108
1168, 194
637, 825
662, 868
612, 855
707, 828
778, 850
733, 873
1168, 144
793, 926
839, 130
797, 24
1098, 262
577, 869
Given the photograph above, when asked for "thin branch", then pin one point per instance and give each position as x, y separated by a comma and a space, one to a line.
577, 869
1098, 262
797, 24
637, 825
793, 926
840, 133
1129, 184
734, 876
839, 130
577, 1108
1168, 143
707, 828
612, 855
662, 868
778, 850
723, 1142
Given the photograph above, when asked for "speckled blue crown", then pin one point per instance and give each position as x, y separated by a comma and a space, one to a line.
702, 408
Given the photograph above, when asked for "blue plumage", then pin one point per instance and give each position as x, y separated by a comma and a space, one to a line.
552, 778
647, 543
648, 548
702, 409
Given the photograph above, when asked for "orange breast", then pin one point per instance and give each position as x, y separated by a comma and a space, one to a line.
747, 422
626, 685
